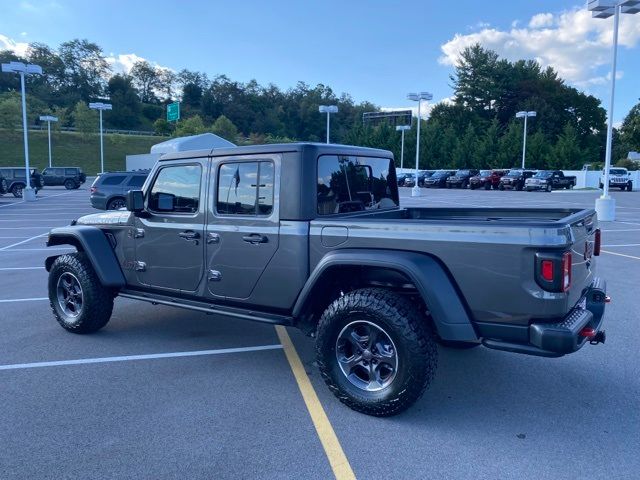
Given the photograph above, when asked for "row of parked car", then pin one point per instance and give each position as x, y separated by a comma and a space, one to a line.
12, 179
513, 179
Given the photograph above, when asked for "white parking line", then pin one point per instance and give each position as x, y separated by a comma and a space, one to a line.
623, 230
620, 255
14, 300
23, 241
21, 268
624, 245
128, 358
35, 249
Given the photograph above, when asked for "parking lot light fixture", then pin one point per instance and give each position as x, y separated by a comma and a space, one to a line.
49, 119
418, 97
525, 115
100, 107
606, 205
402, 128
328, 109
22, 69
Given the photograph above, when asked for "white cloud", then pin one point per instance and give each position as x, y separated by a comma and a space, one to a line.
19, 48
123, 62
572, 42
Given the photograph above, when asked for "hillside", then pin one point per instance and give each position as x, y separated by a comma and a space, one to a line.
72, 149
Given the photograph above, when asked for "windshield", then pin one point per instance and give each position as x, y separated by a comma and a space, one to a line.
485, 173
543, 175
440, 174
514, 173
352, 184
463, 173
617, 171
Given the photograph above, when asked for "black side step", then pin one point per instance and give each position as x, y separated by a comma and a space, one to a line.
156, 299
519, 348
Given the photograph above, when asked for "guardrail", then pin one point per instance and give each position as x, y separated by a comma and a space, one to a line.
141, 133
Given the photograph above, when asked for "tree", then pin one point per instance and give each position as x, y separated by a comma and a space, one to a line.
10, 113
126, 105
190, 126
162, 127
630, 131
566, 153
146, 78
85, 69
85, 120
225, 128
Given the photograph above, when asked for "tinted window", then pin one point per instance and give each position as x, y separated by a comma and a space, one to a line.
7, 173
113, 180
69, 171
351, 184
136, 181
245, 188
176, 189
19, 174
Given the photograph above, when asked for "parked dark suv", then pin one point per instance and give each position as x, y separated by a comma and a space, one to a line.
109, 190
461, 178
16, 180
69, 177
515, 179
438, 179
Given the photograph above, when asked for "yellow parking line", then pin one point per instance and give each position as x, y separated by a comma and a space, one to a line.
337, 459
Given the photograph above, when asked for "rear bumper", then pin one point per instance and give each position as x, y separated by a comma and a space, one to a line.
564, 337
561, 337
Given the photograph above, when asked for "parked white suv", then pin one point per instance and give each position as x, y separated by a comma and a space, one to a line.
619, 178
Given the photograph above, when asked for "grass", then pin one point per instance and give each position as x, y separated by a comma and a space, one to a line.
72, 149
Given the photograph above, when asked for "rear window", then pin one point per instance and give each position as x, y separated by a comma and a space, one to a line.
70, 171
352, 184
113, 180
136, 181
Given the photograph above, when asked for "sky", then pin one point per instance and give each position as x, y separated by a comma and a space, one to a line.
373, 50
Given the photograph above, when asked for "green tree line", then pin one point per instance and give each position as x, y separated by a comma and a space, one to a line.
475, 128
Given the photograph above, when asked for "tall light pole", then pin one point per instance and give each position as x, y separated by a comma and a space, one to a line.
402, 128
418, 97
49, 119
24, 69
525, 115
328, 109
100, 107
605, 205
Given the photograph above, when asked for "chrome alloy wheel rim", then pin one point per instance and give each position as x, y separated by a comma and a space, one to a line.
367, 356
69, 293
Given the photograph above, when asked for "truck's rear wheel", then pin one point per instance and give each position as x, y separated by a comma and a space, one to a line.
69, 184
375, 352
78, 300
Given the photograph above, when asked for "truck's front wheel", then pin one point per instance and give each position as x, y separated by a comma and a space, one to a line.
79, 302
375, 351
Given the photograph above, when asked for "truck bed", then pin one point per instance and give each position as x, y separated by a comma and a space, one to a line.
486, 250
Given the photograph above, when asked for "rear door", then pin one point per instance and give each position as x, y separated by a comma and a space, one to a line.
243, 230
169, 243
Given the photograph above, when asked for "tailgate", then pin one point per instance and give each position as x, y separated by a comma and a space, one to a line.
583, 231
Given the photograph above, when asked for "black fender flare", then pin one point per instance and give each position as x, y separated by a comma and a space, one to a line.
430, 277
93, 242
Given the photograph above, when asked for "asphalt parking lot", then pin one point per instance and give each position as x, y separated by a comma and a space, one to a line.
168, 393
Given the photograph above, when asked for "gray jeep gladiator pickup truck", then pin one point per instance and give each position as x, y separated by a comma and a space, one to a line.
313, 236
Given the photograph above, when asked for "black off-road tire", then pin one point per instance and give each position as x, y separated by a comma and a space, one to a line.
17, 190
500, 187
630, 187
69, 184
487, 186
416, 350
97, 300
116, 203
458, 345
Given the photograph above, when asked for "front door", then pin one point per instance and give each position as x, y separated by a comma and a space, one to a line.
242, 233
169, 236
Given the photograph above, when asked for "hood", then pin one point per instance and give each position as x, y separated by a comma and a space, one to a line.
117, 217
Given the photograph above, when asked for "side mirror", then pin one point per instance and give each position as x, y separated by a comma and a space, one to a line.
135, 201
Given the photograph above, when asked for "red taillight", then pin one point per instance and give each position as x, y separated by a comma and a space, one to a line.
598, 242
547, 270
566, 271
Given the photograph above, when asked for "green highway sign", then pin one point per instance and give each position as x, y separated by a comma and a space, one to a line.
173, 112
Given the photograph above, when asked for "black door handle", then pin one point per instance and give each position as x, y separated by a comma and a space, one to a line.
189, 235
255, 238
